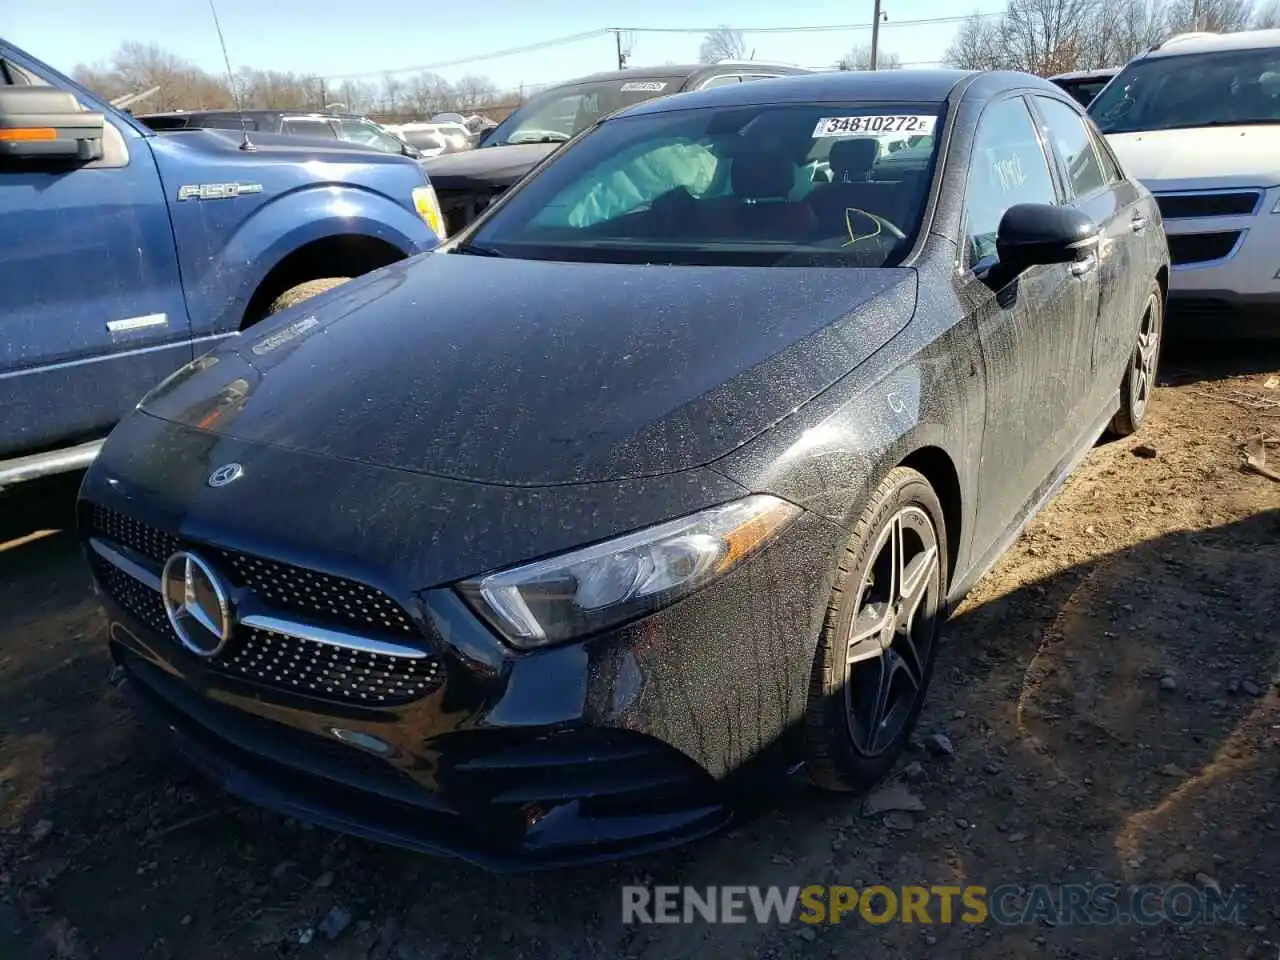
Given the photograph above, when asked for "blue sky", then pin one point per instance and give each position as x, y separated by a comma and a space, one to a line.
330, 37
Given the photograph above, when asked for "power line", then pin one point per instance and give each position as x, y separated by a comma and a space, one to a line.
605, 31
822, 28
496, 54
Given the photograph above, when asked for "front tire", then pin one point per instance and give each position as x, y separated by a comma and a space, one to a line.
304, 291
876, 653
1139, 380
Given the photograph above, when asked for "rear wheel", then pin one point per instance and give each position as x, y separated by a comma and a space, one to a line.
876, 653
1140, 375
303, 291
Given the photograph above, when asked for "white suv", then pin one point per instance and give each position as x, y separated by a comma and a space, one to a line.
1197, 119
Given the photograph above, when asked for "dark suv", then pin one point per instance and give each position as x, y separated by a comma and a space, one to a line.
325, 126
468, 182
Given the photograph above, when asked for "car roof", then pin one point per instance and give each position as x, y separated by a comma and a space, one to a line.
1186, 43
249, 112
901, 86
1098, 74
680, 70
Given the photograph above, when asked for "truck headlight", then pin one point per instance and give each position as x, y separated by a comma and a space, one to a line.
600, 586
428, 207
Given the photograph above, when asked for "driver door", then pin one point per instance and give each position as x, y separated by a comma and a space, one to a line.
1036, 329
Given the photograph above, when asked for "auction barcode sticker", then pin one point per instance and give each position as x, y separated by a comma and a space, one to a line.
874, 124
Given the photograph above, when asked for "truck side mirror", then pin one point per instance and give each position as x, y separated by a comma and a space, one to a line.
44, 124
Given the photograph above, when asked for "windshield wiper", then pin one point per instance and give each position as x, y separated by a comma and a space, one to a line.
475, 250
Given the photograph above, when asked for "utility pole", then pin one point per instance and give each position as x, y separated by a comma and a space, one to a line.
875, 34
622, 57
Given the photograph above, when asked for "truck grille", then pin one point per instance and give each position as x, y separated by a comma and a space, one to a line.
1202, 247
462, 207
1176, 206
265, 656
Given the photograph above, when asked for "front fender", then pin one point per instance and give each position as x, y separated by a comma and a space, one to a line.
220, 287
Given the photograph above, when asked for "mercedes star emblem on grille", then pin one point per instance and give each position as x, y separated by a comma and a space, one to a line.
196, 602
227, 473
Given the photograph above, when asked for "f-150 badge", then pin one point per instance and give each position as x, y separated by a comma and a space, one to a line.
217, 191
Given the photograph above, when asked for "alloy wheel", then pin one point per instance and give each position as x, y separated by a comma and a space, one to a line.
893, 631
1143, 377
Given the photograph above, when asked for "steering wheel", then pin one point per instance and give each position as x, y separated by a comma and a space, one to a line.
881, 226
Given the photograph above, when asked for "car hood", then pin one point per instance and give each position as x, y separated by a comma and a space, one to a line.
535, 373
486, 168
1203, 157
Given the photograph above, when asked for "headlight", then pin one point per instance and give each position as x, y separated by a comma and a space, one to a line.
597, 587
428, 207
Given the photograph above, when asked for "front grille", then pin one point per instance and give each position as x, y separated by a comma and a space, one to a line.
332, 599
137, 536
327, 671
270, 658
1202, 247
462, 207
1175, 206
336, 600
134, 595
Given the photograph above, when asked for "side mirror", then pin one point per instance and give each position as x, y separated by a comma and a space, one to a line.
1038, 233
47, 124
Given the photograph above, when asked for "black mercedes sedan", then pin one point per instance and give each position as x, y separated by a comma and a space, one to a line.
750, 386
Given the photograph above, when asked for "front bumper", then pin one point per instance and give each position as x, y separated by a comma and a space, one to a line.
1225, 277
631, 741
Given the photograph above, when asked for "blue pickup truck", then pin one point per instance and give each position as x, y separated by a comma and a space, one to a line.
125, 253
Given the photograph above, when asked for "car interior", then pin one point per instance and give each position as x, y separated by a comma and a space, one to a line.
758, 181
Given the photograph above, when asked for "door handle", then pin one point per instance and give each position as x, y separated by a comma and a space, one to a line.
1138, 224
1084, 265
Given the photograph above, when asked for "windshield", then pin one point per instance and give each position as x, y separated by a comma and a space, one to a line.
1194, 90
557, 115
369, 134
761, 185
1083, 91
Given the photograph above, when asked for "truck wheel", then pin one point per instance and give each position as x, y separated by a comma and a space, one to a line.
303, 291
877, 649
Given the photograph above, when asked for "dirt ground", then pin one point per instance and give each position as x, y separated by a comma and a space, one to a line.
1109, 690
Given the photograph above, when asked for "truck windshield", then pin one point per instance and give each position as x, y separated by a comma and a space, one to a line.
559, 114
770, 185
1194, 90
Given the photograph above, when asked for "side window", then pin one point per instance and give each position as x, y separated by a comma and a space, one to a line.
227, 122
1008, 166
310, 127
1070, 141
721, 81
12, 75
1110, 165
761, 76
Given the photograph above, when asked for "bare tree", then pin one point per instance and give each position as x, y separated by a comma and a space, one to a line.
137, 66
1219, 16
859, 58
722, 43
282, 91
428, 93
1266, 16
471, 92
1047, 36
978, 45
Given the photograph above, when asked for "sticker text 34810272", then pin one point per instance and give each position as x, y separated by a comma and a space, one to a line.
875, 125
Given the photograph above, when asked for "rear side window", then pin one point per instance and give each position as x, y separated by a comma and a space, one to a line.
1008, 167
229, 123
1071, 142
308, 127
